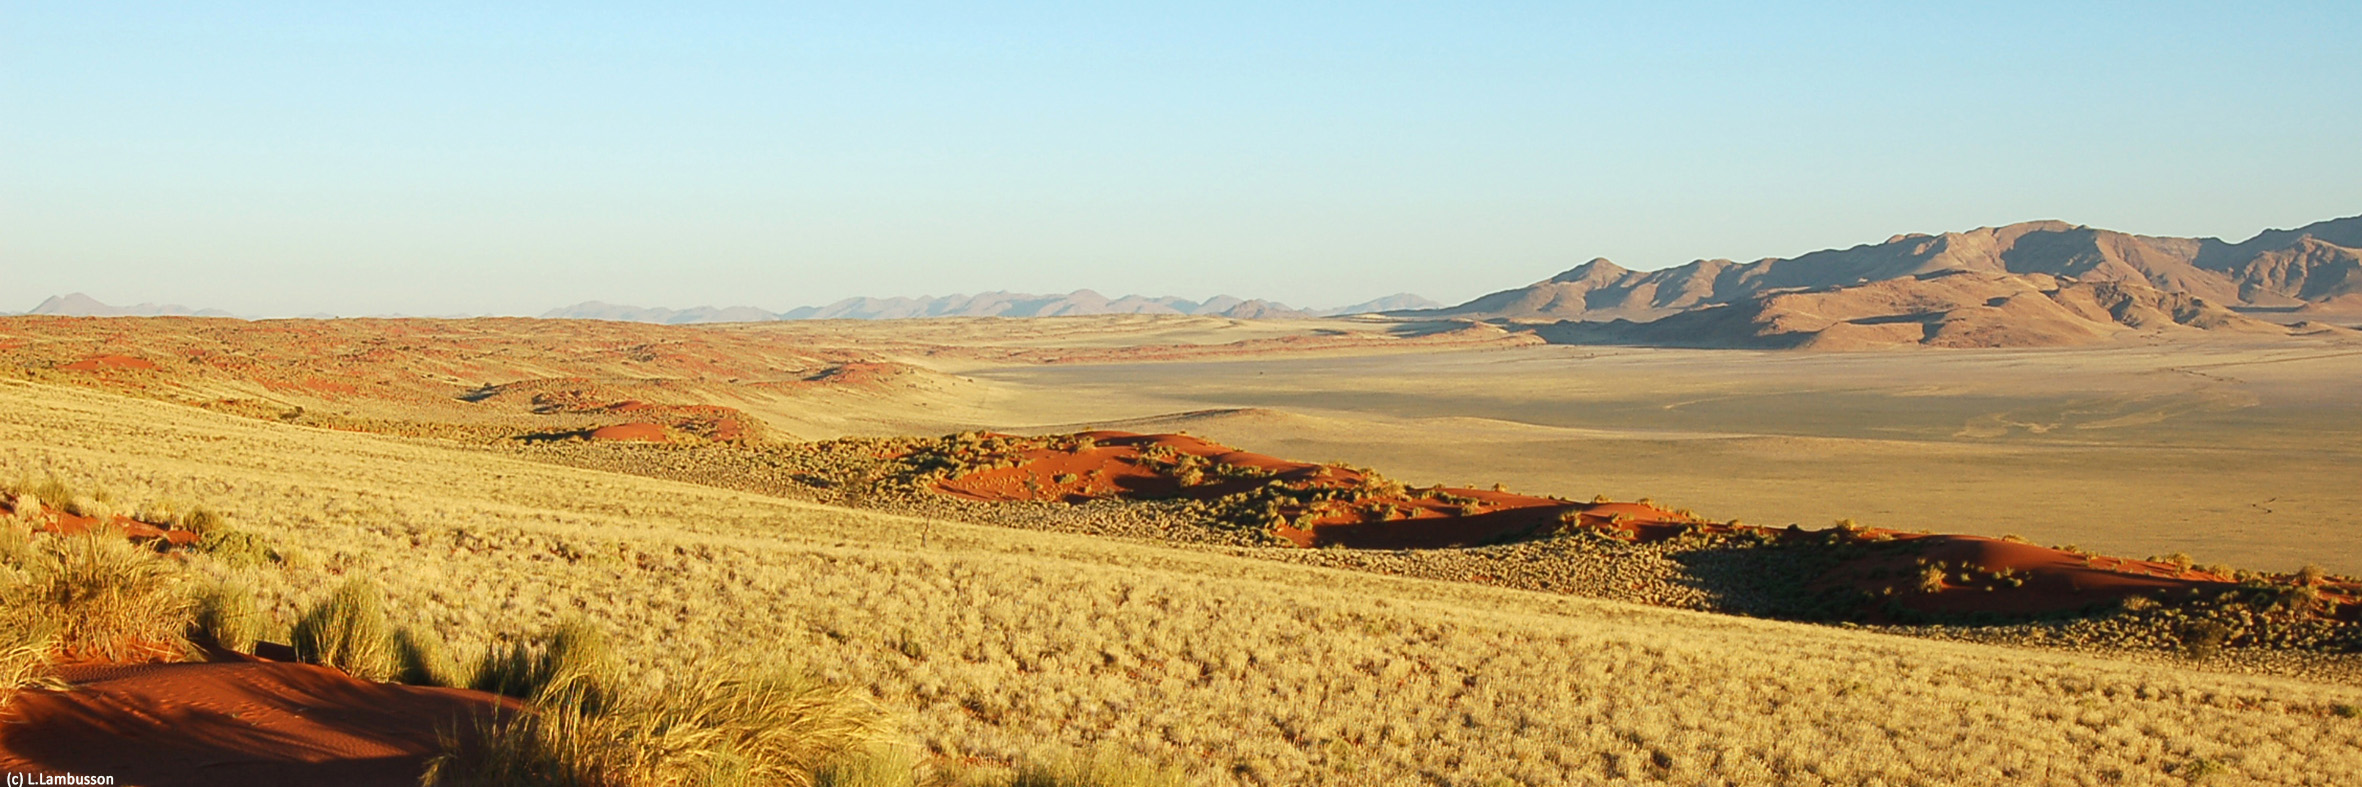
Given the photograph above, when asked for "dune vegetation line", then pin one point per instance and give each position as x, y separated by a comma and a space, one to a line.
664, 633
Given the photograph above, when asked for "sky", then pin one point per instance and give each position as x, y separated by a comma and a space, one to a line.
427, 158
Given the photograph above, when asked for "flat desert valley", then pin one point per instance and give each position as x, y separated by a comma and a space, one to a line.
2246, 453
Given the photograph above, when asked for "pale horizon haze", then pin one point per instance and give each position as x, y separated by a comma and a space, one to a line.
431, 158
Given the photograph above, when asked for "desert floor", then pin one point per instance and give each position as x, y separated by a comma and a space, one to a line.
2231, 452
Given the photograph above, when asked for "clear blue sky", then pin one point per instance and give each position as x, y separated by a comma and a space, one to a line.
280, 159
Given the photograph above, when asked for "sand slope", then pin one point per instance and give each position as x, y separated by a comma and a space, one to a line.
234, 723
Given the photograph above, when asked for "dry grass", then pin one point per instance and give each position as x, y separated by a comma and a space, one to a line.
571, 665
348, 630
767, 727
420, 659
107, 598
993, 644
223, 614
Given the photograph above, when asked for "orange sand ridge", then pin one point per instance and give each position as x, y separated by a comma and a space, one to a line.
238, 722
1352, 508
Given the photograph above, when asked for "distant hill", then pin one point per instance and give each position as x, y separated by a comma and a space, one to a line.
2313, 264
81, 305
600, 310
987, 304
1942, 309
1396, 302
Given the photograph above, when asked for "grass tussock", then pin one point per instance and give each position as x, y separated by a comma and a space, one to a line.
773, 726
26, 648
347, 630
105, 597
47, 490
237, 548
223, 614
421, 660
572, 665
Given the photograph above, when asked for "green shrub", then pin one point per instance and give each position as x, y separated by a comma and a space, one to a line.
203, 522
238, 548
348, 631
2204, 638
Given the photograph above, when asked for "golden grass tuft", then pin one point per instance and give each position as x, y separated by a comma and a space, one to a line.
223, 614
421, 660
572, 665
107, 598
27, 646
774, 727
347, 630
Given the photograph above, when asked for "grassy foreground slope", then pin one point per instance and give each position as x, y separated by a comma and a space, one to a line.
998, 642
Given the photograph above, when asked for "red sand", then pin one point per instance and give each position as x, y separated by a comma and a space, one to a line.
102, 362
235, 723
1117, 467
2004, 577
63, 523
2046, 580
640, 430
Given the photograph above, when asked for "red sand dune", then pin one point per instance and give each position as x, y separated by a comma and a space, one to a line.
1118, 466
103, 362
234, 723
2012, 578
1985, 575
64, 523
2047, 580
639, 430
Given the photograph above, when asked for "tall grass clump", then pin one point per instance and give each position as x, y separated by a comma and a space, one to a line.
572, 665
48, 490
237, 547
28, 640
27, 645
348, 631
107, 598
421, 660
223, 615
773, 726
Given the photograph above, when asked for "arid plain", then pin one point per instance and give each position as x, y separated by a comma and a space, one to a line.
463, 468
2239, 451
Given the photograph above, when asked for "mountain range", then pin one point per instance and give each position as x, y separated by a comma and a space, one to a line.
987, 304
80, 305
2316, 266
2037, 283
